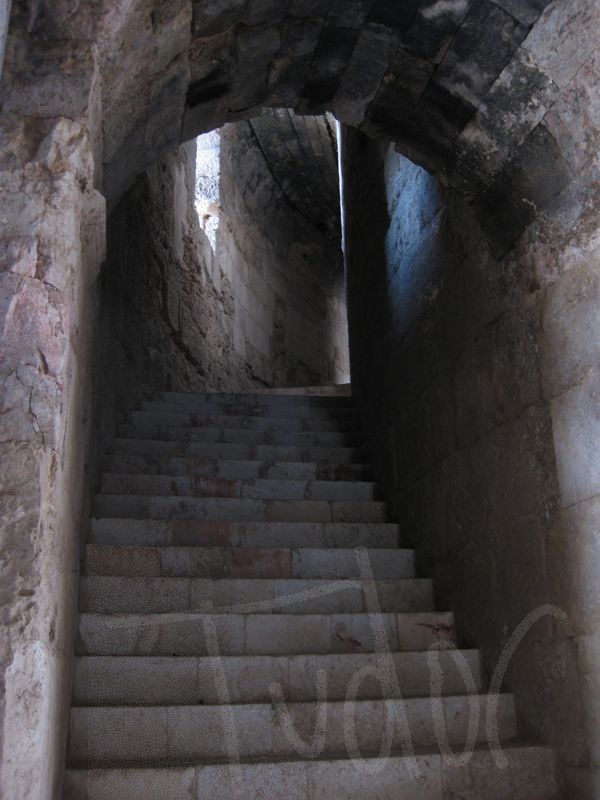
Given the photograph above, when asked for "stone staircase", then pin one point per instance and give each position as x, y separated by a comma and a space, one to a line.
239, 542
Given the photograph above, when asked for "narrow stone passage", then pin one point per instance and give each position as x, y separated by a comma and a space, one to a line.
236, 545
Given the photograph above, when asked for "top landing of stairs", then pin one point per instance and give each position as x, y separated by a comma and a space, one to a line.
339, 390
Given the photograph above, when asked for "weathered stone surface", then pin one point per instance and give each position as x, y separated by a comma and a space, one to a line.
483, 46
364, 73
433, 27
52, 248
571, 329
576, 422
573, 553
535, 175
470, 350
526, 12
214, 15
564, 39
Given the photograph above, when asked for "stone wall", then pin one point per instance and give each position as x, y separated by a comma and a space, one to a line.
51, 249
265, 308
477, 380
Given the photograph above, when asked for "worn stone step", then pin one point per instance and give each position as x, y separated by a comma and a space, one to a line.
245, 562
322, 390
249, 409
530, 775
184, 734
123, 595
245, 422
243, 470
185, 634
226, 450
244, 534
257, 398
253, 489
240, 436
133, 681
243, 510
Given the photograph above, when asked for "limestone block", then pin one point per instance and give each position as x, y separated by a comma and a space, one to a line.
575, 119
564, 38
588, 660
255, 48
548, 692
576, 428
573, 559
216, 14
53, 84
128, 783
480, 777
571, 329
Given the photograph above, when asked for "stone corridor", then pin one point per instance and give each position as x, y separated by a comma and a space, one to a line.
405, 197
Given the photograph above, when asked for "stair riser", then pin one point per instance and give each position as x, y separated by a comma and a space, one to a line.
180, 734
529, 776
244, 452
242, 470
116, 595
251, 535
239, 436
139, 507
258, 634
277, 411
294, 424
236, 562
261, 489
190, 681
267, 400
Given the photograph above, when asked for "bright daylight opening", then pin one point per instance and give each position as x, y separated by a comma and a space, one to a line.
208, 175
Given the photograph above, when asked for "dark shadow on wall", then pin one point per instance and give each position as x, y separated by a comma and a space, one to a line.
450, 350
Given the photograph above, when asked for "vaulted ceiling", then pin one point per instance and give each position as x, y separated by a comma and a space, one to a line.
471, 89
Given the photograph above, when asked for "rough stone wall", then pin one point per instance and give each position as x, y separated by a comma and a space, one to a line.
477, 380
279, 249
165, 324
266, 308
51, 248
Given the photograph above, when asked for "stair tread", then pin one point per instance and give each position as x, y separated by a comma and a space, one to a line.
255, 502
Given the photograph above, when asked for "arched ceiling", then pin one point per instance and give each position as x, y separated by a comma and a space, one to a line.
471, 89
301, 152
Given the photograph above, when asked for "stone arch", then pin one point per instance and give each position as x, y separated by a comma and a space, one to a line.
469, 89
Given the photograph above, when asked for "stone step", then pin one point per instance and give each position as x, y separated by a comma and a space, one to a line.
243, 421
225, 508
139, 681
256, 398
530, 775
245, 562
244, 534
183, 734
253, 489
123, 595
240, 436
244, 452
185, 634
243, 470
327, 390
250, 409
